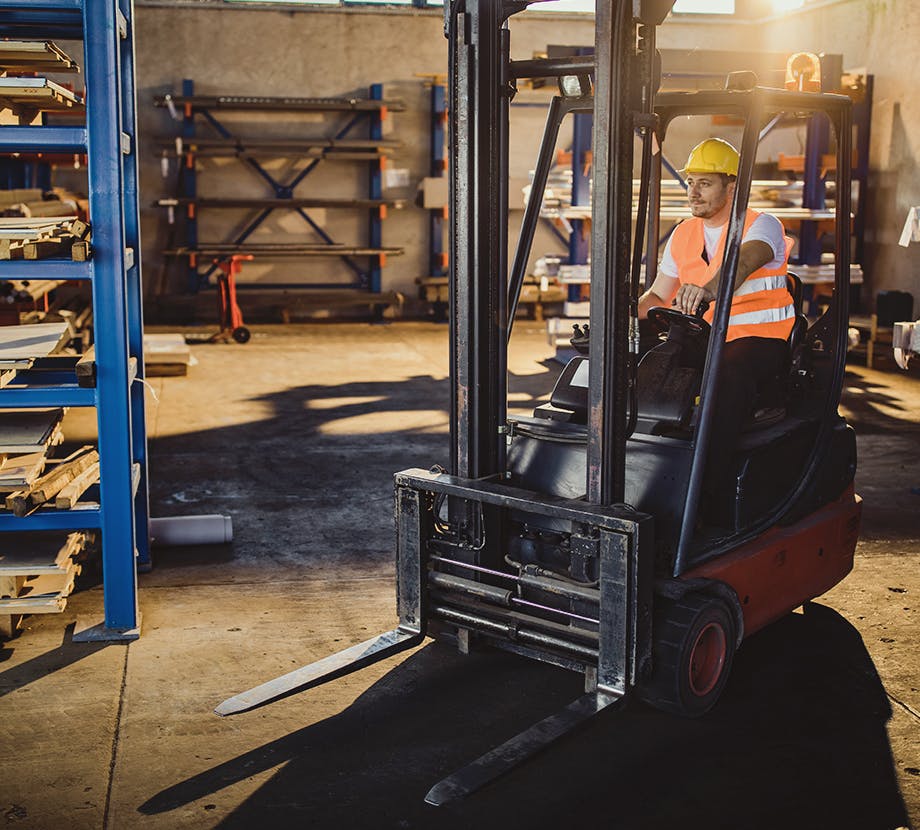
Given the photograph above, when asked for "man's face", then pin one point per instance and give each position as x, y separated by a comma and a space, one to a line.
708, 194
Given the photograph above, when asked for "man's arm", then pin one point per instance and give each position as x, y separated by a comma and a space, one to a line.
753, 255
661, 292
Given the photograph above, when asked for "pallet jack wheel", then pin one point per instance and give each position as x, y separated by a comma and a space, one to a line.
241, 334
692, 651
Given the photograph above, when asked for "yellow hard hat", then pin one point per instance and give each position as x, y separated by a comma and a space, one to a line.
714, 155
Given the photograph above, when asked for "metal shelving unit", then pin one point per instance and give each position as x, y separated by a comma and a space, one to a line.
108, 140
357, 114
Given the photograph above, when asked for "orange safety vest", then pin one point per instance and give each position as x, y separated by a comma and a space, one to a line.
762, 305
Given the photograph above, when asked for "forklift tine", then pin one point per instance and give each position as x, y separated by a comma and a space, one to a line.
329, 668
519, 748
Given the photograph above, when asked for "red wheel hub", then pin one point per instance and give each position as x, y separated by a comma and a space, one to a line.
707, 659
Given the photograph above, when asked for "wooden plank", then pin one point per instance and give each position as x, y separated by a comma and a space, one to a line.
41, 90
19, 194
46, 248
38, 552
25, 226
11, 249
10, 584
33, 56
35, 605
9, 625
79, 229
70, 493
42, 594
166, 348
81, 251
86, 369
22, 502
30, 341
20, 471
28, 430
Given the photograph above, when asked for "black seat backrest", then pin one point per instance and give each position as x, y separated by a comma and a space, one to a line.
796, 290
800, 325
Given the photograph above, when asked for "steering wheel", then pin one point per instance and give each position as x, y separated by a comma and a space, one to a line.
663, 318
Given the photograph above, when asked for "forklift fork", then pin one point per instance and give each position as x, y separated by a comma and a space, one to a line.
411, 521
621, 636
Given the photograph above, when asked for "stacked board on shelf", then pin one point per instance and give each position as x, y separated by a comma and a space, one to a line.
37, 573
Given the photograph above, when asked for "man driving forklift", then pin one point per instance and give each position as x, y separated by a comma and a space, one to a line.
762, 310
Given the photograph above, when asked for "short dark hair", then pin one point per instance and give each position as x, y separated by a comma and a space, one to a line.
727, 179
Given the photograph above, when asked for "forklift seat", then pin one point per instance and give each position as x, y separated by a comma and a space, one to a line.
668, 384
770, 406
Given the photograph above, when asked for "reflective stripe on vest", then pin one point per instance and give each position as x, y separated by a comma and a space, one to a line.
761, 306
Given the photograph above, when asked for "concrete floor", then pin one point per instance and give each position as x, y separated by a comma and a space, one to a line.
296, 435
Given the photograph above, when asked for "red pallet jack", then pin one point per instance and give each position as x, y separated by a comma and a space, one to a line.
228, 310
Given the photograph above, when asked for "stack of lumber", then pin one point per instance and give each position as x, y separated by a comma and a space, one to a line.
21, 346
166, 354
37, 573
61, 486
33, 203
24, 431
42, 238
26, 437
33, 56
27, 95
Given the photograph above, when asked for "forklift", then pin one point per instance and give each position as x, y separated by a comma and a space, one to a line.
575, 536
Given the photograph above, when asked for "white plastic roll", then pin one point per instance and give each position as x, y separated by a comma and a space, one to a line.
191, 530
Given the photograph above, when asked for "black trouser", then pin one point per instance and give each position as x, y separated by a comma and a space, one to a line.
748, 365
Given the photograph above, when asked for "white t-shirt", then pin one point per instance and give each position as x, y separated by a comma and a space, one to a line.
765, 228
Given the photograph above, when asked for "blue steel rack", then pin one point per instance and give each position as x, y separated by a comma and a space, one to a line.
372, 116
108, 140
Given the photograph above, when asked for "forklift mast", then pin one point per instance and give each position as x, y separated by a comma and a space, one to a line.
482, 84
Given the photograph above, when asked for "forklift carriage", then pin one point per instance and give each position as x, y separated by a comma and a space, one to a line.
575, 536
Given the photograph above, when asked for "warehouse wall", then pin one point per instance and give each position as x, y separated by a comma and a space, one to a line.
882, 36
333, 52
327, 52
314, 53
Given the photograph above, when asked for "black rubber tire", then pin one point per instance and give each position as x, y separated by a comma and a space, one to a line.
241, 334
692, 650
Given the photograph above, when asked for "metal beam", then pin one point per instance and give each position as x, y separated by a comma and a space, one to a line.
610, 247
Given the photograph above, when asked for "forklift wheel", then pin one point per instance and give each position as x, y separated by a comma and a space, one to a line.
241, 334
693, 646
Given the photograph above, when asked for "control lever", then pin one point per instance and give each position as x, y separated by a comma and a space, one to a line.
580, 338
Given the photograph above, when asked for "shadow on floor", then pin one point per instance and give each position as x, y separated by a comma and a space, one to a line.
863, 406
68, 653
798, 741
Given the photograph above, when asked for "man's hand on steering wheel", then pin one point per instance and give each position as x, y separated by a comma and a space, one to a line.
689, 297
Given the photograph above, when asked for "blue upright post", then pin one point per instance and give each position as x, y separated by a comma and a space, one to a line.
190, 187
375, 225
135, 293
582, 129
817, 141
102, 44
437, 263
